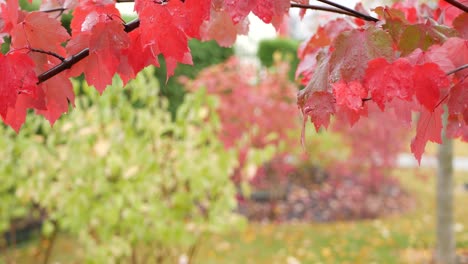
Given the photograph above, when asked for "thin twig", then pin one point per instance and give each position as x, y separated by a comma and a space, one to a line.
322, 8
457, 69
352, 11
53, 54
58, 9
458, 5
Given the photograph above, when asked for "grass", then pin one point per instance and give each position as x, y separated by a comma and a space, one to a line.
406, 238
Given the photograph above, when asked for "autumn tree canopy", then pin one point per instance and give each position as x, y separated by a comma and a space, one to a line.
406, 58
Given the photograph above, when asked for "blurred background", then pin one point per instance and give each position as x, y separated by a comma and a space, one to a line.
209, 167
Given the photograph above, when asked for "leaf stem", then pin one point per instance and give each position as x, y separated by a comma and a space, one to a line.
53, 54
457, 5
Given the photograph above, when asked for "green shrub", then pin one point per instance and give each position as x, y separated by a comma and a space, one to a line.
287, 48
121, 177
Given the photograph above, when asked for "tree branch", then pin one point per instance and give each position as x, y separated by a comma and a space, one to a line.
322, 8
74, 59
457, 69
59, 9
457, 5
349, 10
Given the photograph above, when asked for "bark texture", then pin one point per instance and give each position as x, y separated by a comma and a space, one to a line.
445, 238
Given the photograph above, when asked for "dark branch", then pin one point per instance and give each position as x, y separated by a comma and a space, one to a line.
59, 9
458, 5
322, 8
457, 69
349, 10
48, 53
70, 61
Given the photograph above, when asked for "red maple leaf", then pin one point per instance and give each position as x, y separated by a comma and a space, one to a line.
429, 81
89, 13
161, 31
354, 49
349, 94
428, 129
58, 93
320, 106
387, 81
17, 115
39, 31
221, 28
17, 76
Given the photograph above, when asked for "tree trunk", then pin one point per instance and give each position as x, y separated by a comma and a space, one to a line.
445, 239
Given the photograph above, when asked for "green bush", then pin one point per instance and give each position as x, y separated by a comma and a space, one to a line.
286, 48
120, 176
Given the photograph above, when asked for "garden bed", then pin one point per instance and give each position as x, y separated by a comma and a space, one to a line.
320, 197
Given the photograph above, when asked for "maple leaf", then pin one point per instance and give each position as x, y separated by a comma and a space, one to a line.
354, 48
10, 14
89, 13
221, 28
267, 10
39, 31
461, 25
324, 36
428, 129
319, 106
457, 127
17, 77
319, 80
423, 36
351, 116
446, 12
306, 67
238, 10
161, 32
429, 80
58, 92
130, 64
456, 50
197, 12
106, 43
458, 98
349, 94
386, 81
16, 116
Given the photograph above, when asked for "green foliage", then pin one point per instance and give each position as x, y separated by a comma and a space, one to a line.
118, 174
204, 54
286, 48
